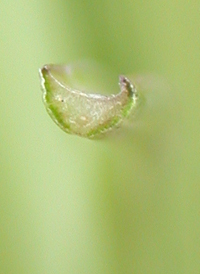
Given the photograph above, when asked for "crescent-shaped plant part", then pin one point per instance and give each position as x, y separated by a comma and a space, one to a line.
83, 114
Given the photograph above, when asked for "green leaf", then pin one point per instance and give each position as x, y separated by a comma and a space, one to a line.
85, 114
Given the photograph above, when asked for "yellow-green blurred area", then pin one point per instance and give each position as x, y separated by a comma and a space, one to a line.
124, 204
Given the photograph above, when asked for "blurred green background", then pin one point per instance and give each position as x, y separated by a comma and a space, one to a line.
124, 205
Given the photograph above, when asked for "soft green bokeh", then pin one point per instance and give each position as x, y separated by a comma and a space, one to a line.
124, 205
